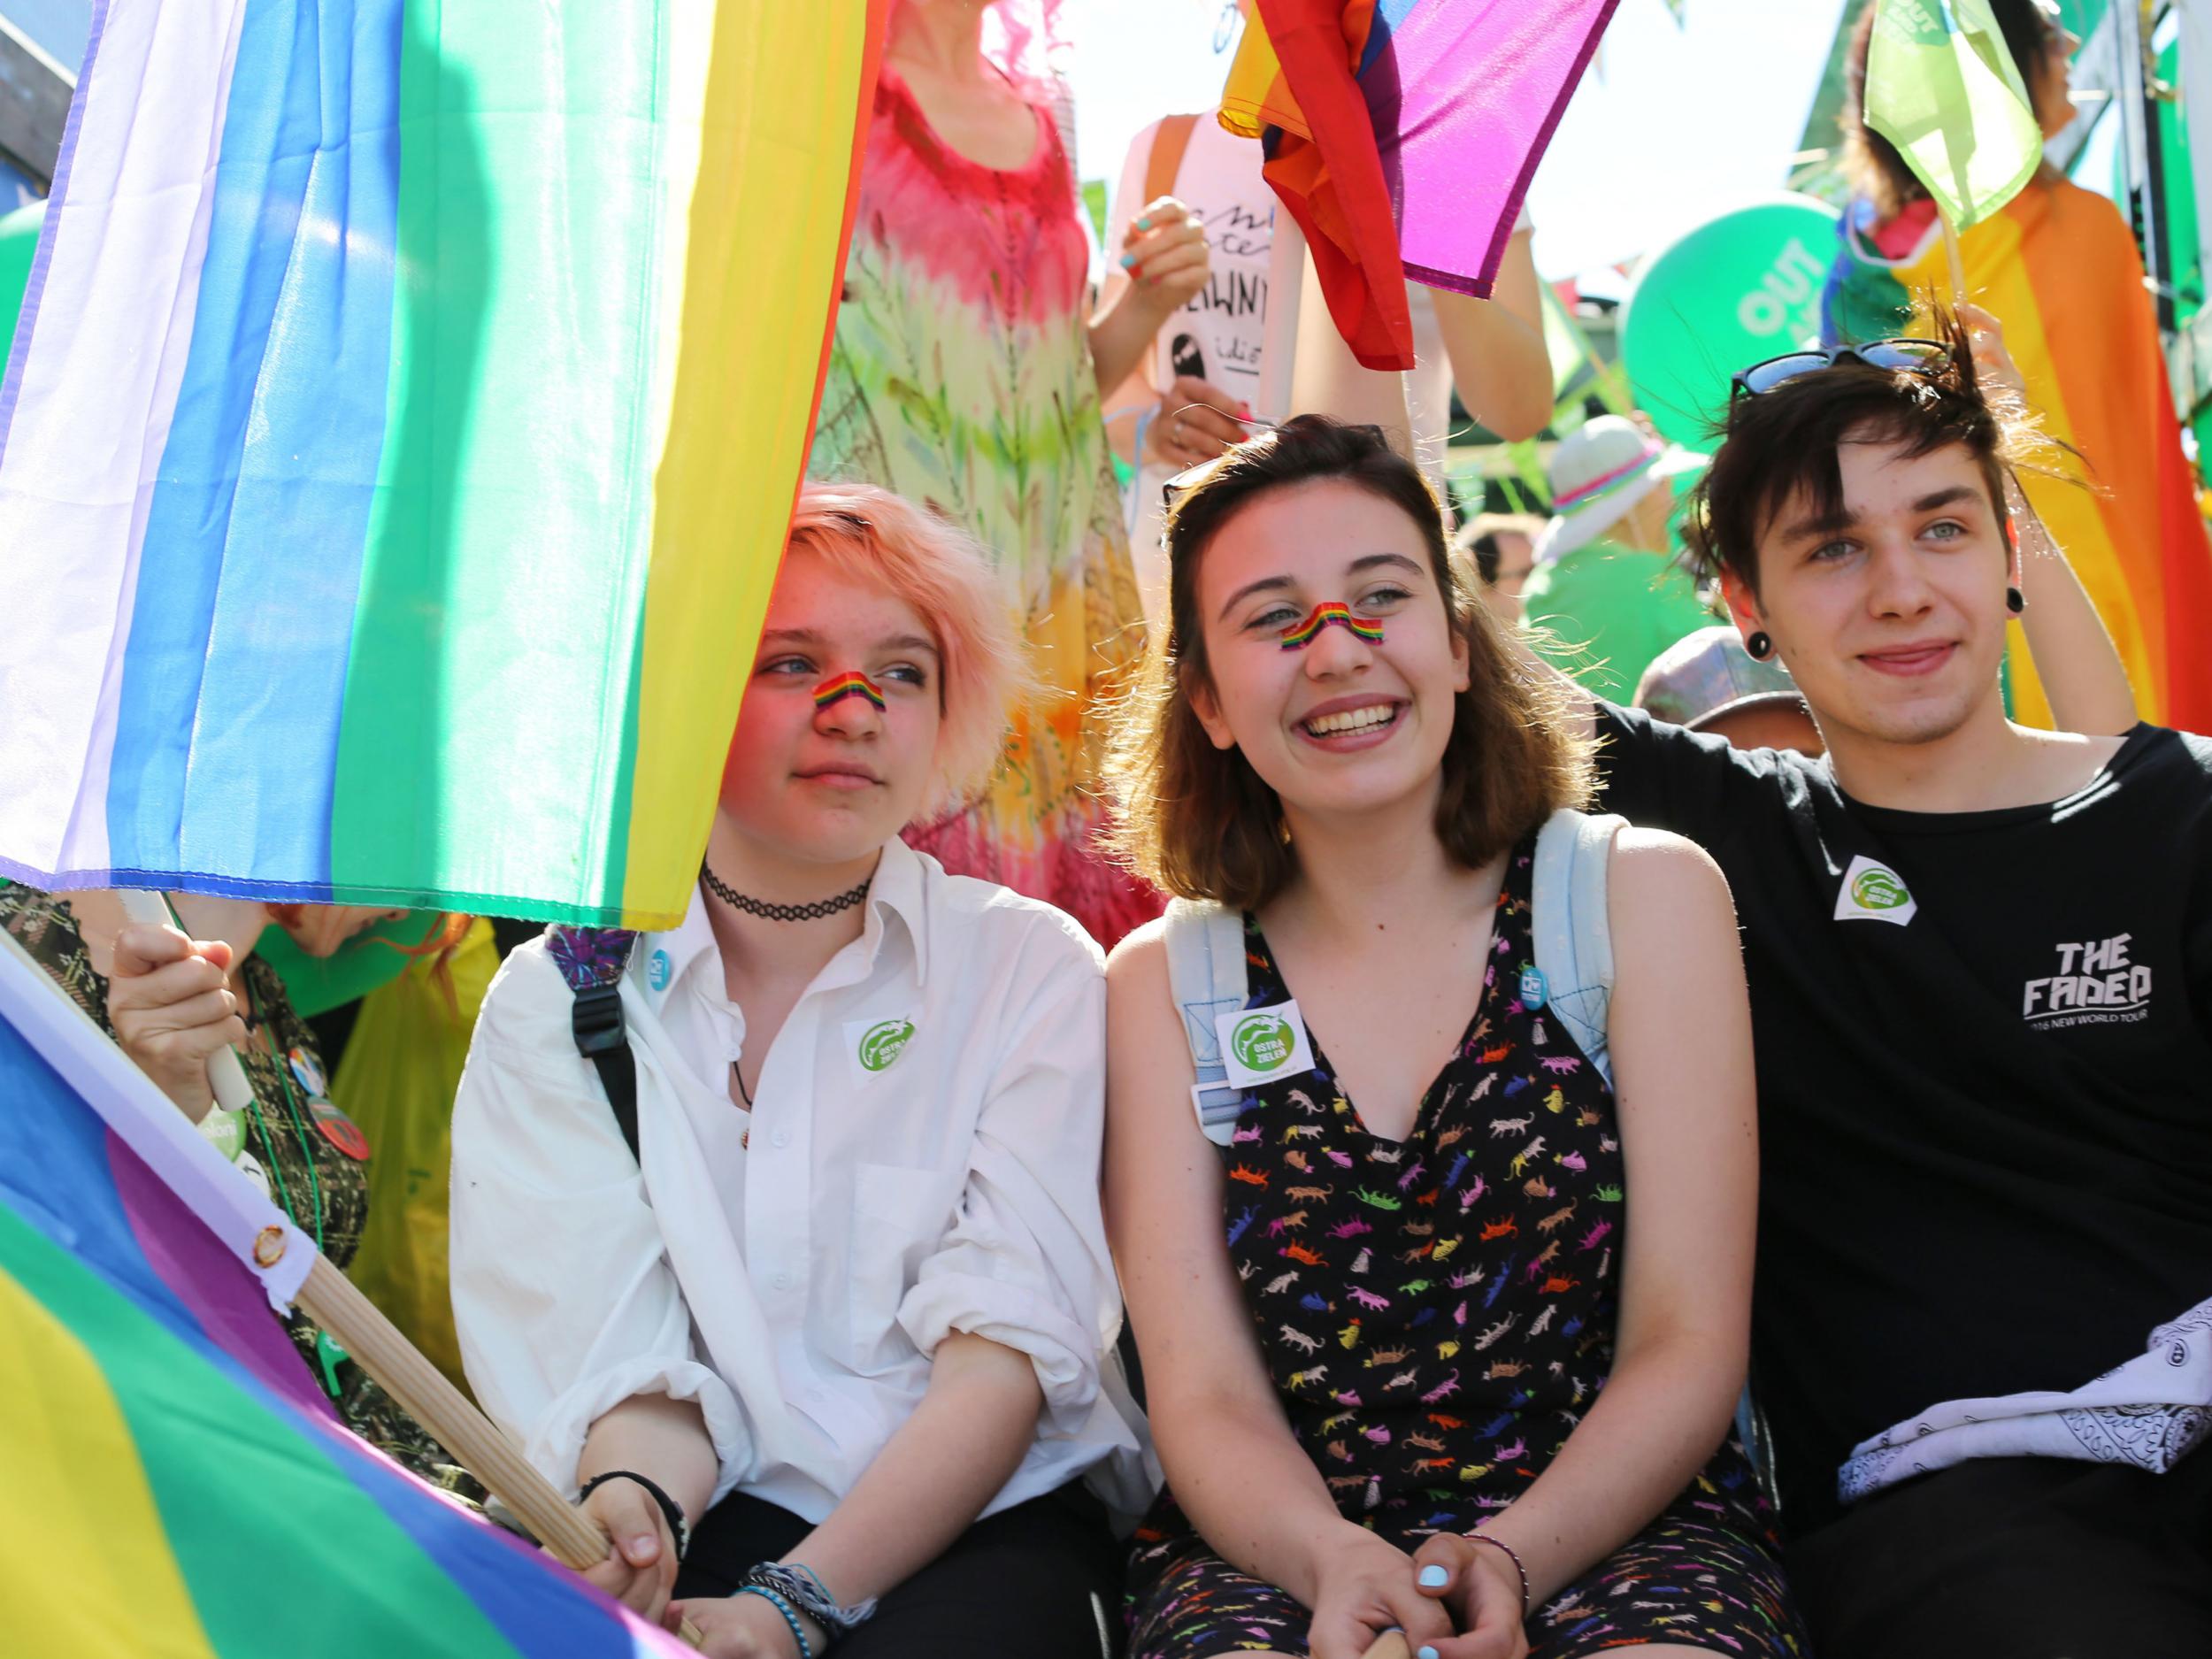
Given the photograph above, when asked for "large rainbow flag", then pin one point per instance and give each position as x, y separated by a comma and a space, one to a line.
170, 1462
2058, 267
399, 436
1402, 135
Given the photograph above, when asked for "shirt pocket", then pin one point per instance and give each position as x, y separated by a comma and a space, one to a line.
900, 1218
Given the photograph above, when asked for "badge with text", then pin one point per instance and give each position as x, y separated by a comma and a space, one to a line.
1874, 893
226, 1130
1262, 1044
876, 1044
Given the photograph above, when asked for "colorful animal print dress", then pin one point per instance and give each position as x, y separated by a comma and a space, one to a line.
1437, 1315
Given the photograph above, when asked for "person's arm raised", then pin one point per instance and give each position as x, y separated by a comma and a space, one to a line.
1500, 363
1681, 1032
1235, 1468
1165, 253
2083, 676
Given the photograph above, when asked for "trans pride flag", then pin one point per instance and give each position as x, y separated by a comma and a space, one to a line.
170, 1460
400, 435
1403, 135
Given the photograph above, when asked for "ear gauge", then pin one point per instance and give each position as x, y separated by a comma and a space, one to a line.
2016, 601
1760, 645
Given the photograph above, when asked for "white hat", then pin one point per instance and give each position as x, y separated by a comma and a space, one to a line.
1598, 476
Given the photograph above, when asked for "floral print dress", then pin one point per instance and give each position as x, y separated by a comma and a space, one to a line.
1437, 1315
961, 377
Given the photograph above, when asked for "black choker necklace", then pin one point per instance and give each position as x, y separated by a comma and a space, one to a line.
813, 913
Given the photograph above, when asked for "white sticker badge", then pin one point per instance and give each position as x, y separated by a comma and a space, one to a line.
1262, 1044
1873, 891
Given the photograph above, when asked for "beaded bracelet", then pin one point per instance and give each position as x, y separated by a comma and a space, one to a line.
798, 1631
800, 1586
1511, 1554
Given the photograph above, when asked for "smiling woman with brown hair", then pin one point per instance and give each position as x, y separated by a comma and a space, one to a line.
1465, 1401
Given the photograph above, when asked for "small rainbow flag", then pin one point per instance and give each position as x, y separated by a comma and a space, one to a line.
1334, 613
399, 438
166, 1442
851, 683
2058, 267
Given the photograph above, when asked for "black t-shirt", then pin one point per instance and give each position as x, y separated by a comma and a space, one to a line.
1984, 1065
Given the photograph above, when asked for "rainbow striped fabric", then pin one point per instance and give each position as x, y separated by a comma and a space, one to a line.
851, 683
167, 1449
2058, 267
1402, 135
399, 437
1334, 613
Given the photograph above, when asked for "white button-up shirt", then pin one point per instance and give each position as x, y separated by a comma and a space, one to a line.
793, 1269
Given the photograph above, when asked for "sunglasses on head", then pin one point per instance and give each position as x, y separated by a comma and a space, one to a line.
1914, 357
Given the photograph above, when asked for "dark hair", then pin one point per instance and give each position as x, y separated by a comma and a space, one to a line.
1871, 166
1779, 443
1199, 821
1477, 538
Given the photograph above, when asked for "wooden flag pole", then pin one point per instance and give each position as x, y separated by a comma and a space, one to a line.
424, 1391
1958, 261
1393, 1646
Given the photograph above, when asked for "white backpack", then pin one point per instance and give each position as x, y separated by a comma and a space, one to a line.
1574, 953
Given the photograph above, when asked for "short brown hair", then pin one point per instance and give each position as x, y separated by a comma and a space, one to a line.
1775, 444
1199, 821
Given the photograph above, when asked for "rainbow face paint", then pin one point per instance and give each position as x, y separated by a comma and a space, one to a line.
1334, 612
851, 683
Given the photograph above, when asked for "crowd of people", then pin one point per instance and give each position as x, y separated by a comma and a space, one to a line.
1549, 1086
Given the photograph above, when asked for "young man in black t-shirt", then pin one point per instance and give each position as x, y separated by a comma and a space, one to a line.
1980, 962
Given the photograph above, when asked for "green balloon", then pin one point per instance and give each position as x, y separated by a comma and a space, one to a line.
1736, 290
19, 241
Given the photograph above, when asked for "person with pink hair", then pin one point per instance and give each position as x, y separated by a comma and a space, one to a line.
821, 1331
966, 373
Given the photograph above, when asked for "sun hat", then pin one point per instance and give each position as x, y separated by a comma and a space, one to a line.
1598, 476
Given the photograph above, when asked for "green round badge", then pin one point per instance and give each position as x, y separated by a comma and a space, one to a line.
883, 1042
226, 1131
1262, 1042
1879, 889
1734, 291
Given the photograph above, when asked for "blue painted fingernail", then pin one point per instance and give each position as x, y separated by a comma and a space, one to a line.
1128, 261
1144, 223
1434, 1578
1424, 1653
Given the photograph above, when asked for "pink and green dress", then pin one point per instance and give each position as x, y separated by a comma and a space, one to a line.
961, 377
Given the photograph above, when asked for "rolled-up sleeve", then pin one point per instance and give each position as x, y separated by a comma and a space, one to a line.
1026, 1264
563, 1296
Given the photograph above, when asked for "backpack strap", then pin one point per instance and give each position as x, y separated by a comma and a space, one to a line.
1572, 929
1206, 976
1169, 139
592, 961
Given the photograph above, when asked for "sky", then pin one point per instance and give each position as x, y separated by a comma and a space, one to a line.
1671, 127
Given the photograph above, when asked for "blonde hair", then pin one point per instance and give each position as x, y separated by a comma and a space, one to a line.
875, 537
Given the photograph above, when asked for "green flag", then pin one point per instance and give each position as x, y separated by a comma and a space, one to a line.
1942, 87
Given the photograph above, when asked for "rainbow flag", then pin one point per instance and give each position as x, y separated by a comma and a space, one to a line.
398, 441
1402, 135
166, 1448
2058, 267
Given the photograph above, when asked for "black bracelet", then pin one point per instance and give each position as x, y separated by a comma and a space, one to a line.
670, 1510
